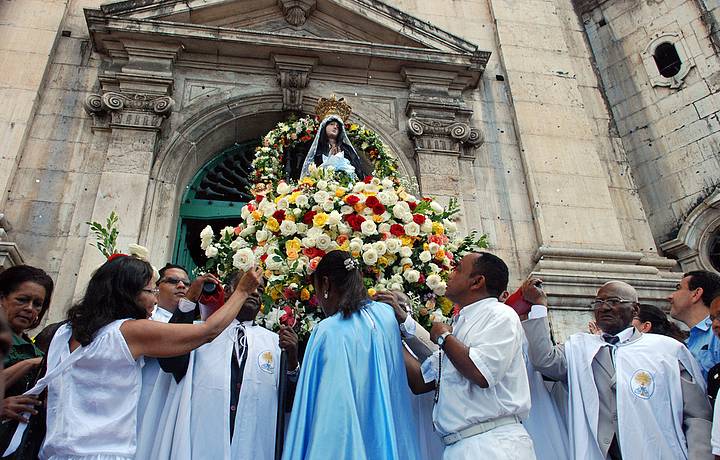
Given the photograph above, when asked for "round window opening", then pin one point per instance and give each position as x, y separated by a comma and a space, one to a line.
714, 249
667, 60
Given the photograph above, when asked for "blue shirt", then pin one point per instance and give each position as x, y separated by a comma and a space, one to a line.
704, 345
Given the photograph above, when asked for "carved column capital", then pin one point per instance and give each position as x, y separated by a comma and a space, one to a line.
128, 110
293, 77
296, 12
443, 136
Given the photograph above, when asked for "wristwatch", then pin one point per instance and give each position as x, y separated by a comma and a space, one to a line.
441, 339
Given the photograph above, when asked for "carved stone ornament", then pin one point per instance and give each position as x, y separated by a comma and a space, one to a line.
293, 77
443, 135
296, 12
128, 110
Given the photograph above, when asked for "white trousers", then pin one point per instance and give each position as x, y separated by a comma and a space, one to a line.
509, 442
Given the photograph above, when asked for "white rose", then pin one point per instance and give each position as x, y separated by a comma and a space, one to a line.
440, 290
314, 232
370, 257
387, 183
367, 212
407, 218
396, 287
283, 188
425, 257
261, 235
141, 252
328, 206
238, 243
320, 196
367, 246
323, 242
346, 209
288, 227
344, 229
426, 227
380, 247
384, 228
401, 209
354, 246
272, 319
368, 228
388, 198
297, 212
227, 231
436, 207
412, 229
437, 316
267, 207
244, 259
244, 212
275, 263
433, 248
434, 268
412, 275
322, 184
302, 201
211, 252
206, 237
308, 242
334, 218
358, 187
247, 231
393, 245
283, 203
302, 228
436, 283
405, 251
406, 261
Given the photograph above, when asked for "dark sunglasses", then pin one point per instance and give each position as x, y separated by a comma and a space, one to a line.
175, 281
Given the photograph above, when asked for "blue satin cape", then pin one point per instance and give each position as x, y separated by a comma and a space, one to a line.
353, 399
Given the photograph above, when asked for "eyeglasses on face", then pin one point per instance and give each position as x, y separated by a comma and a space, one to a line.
610, 302
175, 281
153, 291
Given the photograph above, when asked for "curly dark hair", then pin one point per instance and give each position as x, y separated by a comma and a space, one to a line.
110, 295
13, 277
660, 323
349, 283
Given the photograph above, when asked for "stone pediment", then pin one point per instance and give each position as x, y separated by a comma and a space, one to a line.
366, 34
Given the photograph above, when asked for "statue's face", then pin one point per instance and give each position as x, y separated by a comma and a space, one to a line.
332, 129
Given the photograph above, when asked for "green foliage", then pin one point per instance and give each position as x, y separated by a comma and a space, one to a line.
106, 236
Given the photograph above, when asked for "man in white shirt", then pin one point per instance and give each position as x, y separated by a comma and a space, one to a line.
632, 396
172, 286
483, 393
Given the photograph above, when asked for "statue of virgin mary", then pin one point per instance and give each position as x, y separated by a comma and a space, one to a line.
331, 146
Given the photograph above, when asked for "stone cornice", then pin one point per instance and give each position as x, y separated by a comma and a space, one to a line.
248, 43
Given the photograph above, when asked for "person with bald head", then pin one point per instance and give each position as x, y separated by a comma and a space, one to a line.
632, 396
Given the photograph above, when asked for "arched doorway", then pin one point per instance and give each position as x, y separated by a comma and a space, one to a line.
214, 197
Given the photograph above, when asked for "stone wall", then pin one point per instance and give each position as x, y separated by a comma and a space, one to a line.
670, 134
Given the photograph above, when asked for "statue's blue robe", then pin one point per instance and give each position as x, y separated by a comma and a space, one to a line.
353, 399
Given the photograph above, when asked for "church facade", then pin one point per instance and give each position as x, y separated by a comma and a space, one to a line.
580, 135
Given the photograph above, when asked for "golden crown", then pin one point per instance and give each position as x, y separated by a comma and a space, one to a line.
332, 106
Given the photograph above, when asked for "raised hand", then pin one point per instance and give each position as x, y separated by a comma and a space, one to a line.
250, 280
532, 291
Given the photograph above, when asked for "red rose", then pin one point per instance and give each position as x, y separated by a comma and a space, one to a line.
418, 219
352, 200
288, 319
397, 229
311, 253
308, 218
355, 221
368, 179
412, 205
372, 201
279, 215
259, 198
379, 209
251, 207
263, 257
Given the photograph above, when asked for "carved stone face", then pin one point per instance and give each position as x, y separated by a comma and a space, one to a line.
332, 129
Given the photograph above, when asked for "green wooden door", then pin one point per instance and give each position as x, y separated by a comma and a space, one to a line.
214, 197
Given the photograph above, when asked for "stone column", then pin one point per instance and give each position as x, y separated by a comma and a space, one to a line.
445, 143
132, 106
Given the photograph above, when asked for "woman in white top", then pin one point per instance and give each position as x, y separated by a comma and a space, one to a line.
92, 406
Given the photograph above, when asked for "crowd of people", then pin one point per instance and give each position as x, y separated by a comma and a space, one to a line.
152, 365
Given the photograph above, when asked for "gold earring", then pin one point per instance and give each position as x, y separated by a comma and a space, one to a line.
325, 295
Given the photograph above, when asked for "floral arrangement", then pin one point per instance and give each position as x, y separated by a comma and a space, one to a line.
401, 242
287, 136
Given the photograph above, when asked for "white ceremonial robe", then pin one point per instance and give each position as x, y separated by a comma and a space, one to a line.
649, 396
545, 423
196, 423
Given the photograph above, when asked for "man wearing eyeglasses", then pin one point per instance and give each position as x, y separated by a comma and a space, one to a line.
690, 303
631, 395
173, 285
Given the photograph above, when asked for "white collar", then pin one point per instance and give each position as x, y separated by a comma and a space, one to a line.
476, 306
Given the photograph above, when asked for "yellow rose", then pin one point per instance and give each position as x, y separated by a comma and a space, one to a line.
377, 219
440, 255
293, 196
356, 254
304, 295
345, 246
292, 255
273, 225
320, 219
307, 181
292, 245
354, 127
339, 192
438, 228
359, 207
382, 260
407, 240
257, 215
446, 305
372, 292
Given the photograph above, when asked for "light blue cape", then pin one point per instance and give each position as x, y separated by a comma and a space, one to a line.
353, 399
